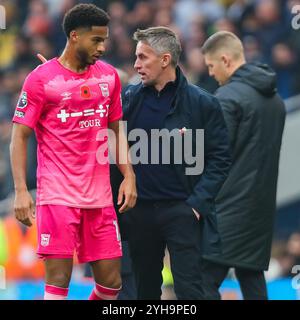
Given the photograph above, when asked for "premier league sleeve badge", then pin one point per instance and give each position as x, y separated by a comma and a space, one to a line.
22, 102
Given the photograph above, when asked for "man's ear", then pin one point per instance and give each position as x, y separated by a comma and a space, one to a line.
166, 59
225, 59
74, 36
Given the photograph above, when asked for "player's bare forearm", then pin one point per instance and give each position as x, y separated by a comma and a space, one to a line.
23, 204
121, 151
18, 155
127, 191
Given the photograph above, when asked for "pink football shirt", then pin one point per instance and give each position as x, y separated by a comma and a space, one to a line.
67, 110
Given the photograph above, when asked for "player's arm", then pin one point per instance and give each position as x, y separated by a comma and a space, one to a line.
23, 204
127, 191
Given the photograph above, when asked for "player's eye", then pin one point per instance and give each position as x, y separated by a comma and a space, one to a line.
98, 40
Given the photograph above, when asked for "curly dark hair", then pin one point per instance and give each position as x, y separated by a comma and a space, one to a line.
84, 16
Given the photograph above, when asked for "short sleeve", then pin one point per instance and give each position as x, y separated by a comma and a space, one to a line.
115, 110
31, 101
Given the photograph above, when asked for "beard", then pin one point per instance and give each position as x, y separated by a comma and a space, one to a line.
83, 58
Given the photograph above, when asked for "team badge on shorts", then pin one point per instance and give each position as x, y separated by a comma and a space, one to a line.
22, 102
45, 239
104, 89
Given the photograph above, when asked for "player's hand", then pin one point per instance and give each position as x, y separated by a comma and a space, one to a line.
24, 208
127, 193
42, 58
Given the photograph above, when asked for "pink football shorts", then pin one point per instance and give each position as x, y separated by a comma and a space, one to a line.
93, 233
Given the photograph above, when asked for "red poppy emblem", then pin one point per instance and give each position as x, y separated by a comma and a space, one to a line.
85, 92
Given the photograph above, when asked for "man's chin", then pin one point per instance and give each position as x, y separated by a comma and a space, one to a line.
147, 83
92, 61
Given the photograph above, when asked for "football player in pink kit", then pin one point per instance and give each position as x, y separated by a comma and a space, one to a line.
70, 102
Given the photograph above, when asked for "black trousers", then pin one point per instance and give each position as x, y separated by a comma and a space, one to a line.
252, 283
151, 227
128, 291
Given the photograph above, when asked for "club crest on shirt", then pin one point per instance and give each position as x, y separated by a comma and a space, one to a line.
104, 89
22, 102
45, 238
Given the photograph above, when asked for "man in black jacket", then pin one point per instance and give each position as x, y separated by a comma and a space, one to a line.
246, 204
175, 205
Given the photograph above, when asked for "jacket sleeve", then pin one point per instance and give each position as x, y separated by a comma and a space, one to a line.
231, 112
217, 159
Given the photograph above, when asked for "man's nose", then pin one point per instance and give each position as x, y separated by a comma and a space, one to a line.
136, 65
101, 47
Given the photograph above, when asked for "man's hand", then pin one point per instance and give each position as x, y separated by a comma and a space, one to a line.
24, 208
41, 57
128, 190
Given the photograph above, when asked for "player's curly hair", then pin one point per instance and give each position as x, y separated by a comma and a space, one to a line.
84, 16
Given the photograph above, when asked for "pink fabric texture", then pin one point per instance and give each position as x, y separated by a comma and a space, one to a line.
92, 233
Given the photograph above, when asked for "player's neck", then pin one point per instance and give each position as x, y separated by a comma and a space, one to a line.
69, 60
166, 76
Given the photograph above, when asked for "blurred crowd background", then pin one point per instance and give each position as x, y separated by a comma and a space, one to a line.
34, 26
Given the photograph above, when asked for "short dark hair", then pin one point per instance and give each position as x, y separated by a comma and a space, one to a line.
84, 16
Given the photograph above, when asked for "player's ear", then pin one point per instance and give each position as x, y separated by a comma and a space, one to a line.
74, 36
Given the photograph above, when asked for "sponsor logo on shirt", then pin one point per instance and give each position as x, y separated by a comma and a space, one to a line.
19, 114
102, 111
22, 102
45, 239
104, 89
89, 123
